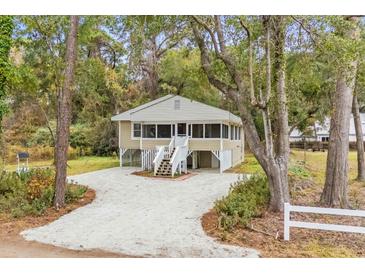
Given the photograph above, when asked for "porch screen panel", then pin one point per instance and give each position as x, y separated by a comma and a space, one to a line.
225, 130
163, 131
198, 131
149, 131
212, 130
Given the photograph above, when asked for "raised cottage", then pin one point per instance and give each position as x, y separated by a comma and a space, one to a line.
173, 133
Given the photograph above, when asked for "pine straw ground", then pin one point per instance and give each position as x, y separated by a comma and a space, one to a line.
303, 242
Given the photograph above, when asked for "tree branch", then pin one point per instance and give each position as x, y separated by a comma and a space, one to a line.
220, 35
305, 28
212, 36
268, 59
206, 64
250, 64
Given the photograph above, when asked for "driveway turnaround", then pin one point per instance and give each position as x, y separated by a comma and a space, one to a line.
144, 217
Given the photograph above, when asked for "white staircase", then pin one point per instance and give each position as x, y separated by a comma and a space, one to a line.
172, 159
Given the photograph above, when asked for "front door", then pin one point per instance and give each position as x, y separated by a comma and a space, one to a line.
181, 129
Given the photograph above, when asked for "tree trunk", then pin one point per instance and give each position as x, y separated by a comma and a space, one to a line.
273, 155
275, 168
64, 114
151, 81
359, 140
335, 189
280, 165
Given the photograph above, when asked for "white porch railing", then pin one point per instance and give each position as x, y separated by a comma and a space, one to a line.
147, 157
179, 156
320, 210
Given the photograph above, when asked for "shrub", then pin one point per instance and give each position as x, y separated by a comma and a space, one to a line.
246, 199
74, 192
39, 180
299, 171
33, 192
11, 183
42, 136
80, 138
13, 191
104, 139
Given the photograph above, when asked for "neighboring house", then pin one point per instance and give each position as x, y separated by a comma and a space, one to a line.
321, 132
172, 133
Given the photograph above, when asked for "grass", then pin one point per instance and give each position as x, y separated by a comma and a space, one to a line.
314, 161
249, 165
315, 249
78, 166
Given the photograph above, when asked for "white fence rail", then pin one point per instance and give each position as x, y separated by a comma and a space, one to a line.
320, 210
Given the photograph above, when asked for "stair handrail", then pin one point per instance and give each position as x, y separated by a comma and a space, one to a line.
158, 159
171, 144
179, 155
186, 142
175, 160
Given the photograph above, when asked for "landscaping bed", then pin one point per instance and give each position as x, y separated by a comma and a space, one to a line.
263, 230
149, 174
26, 202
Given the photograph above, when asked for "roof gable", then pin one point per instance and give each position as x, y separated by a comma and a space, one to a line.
176, 108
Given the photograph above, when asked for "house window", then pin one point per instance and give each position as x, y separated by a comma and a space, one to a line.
236, 133
225, 130
239, 133
163, 131
232, 132
149, 131
137, 130
198, 131
189, 130
212, 130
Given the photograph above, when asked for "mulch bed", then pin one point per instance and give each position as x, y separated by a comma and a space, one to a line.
13, 245
13, 226
149, 174
303, 242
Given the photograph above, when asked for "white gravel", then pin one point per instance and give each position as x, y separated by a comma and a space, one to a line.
143, 217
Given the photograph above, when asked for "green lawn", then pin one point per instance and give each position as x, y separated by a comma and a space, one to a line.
314, 161
78, 166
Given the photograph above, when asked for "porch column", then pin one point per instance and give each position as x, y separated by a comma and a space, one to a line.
121, 157
221, 150
194, 159
220, 162
140, 138
119, 144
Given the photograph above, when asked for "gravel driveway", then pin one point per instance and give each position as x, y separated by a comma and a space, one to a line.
143, 217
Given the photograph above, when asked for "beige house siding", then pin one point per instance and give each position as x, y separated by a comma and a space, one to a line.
237, 147
151, 144
205, 144
125, 140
